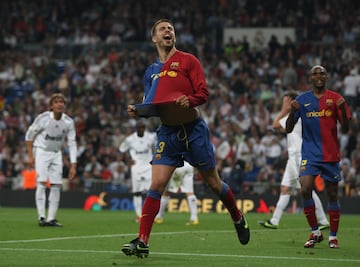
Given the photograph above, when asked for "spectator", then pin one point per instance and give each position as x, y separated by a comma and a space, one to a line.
352, 87
92, 171
92, 80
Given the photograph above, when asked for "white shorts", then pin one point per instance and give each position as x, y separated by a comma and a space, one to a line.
48, 165
182, 180
291, 173
140, 178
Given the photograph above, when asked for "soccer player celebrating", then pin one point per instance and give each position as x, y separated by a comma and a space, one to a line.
44, 139
176, 83
320, 109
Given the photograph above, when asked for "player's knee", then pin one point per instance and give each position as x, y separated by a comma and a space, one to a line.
41, 185
306, 192
285, 190
215, 185
333, 196
55, 186
158, 186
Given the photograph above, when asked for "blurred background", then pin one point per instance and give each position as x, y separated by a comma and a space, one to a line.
96, 52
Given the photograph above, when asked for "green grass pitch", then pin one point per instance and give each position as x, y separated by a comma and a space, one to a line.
94, 238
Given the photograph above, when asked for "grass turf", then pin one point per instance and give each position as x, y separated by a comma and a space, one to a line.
91, 238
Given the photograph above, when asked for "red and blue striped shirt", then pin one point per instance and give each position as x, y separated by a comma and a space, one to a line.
319, 118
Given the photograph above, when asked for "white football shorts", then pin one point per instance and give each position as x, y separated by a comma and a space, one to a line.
48, 165
182, 180
291, 173
140, 178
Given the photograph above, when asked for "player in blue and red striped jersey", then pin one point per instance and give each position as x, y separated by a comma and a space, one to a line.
320, 111
175, 85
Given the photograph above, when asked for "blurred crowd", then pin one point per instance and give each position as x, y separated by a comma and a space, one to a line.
96, 52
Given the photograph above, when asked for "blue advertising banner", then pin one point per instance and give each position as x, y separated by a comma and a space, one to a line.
264, 203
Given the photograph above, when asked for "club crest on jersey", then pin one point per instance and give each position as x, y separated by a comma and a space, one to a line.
303, 165
158, 156
329, 102
174, 65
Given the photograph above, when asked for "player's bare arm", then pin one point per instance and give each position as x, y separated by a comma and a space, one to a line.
72, 171
290, 122
285, 109
29, 148
345, 125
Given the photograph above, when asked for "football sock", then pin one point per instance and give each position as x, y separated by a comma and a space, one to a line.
54, 200
227, 198
316, 232
192, 202
309, 211
137, 200
319, 210
150, 209
280, 208
40, 199
163, 204
334, 214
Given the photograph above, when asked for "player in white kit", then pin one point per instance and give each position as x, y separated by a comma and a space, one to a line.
182, 181
140, 146
44, 142
291, 175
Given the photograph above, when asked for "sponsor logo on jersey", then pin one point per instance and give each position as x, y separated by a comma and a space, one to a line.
146, 151
169, 73
319, 114
172, 74
53, 138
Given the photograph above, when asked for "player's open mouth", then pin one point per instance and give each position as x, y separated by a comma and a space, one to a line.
167, 37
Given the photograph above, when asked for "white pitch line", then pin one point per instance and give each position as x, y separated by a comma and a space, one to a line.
100, 236
132, 234
183, 254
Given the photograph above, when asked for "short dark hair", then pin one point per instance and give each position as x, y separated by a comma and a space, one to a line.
141, 122
157, 23
291, 94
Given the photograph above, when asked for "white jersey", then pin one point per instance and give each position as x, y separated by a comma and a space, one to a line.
49, 134
140, 148
294, 142
294, 139
141, 152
